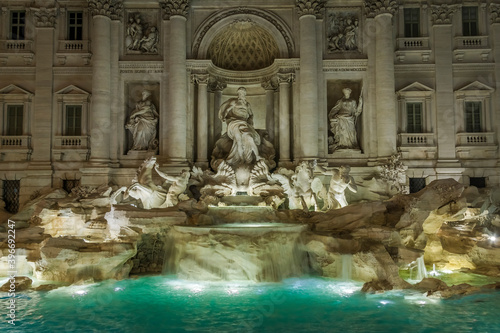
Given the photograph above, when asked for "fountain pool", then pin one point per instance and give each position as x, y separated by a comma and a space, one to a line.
167, 304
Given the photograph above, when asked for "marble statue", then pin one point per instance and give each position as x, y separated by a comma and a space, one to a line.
343, 33
300, 186
341, 180
343, 117
177, 186
238, 115
148, 44
136, 32
142, 124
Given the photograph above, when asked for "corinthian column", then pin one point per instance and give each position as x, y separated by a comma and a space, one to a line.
284, 81
270, 87
443, 50
202, 119
102, 11
383, 12
495, 35
176, 144
308, 11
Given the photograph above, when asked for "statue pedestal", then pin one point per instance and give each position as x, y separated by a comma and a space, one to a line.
140, 154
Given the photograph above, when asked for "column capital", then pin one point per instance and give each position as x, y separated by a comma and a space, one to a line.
286, 77
377, 7
200, 78
174, 8
110, 8
216, 85
442, 14
494, 13
44, 17
310, 7
270, 83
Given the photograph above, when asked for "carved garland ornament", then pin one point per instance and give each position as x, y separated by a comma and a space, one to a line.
44, 17
310, 7
110, 8
174, 7
377, 7
494, 13
442, 14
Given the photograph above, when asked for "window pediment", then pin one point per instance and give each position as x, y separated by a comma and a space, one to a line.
15, 93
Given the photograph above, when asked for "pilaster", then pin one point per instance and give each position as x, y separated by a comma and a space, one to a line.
201, 80
270, 87
284, 81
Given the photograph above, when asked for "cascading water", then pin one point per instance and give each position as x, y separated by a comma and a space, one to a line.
346, 267
419, 264
236, 251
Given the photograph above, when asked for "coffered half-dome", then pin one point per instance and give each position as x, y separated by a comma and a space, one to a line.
242, 46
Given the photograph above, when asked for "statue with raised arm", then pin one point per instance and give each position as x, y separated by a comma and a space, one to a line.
340, 181
177, 186
142, 124
343, 117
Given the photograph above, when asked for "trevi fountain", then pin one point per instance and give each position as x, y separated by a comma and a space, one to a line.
247, 246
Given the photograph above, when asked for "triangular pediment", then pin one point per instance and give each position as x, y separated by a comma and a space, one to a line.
72, 90
12, 89
475, 86
416, 87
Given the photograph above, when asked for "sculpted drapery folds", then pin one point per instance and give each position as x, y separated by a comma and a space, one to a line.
110, 8
343, 117
142, 123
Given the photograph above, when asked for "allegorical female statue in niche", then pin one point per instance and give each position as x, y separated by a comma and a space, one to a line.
343, 117
142, 123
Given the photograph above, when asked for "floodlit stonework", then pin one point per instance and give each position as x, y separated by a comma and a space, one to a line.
72, 72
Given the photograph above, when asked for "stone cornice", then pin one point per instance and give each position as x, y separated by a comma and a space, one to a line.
110, 8
348, 65
494, 13
174, 8
377, 7
310, 7
44, 17
442, 14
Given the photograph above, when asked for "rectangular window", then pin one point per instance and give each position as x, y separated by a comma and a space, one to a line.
17, 25
11, 195
416, 184
75, 25
14, 120
73, 120
473, 117
414, 118
469, 21
412, 22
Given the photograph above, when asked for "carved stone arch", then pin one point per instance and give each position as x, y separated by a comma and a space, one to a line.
269, 21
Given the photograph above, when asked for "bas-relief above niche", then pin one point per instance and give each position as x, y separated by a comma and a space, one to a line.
342, 29
142, 117
141, 33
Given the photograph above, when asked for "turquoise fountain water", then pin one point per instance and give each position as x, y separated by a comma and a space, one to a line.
167, 304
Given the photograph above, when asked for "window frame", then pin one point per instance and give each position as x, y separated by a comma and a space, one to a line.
72, 96
412, 33
421, 111
474, 92
18, 129
477, 116
66, 130
73, 35
467, 22
14, 95
416, 93
22, 26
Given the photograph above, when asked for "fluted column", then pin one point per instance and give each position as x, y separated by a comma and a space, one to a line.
308, 11
383, 12
270, 87
495, 36
176, 142
284, 81
102, 11
202, 119
443, 51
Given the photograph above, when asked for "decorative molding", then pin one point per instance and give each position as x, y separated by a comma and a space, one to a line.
200, 78
377, 7
110, 8
286, 78
280, 26
310, 7
442, 14
345, 65
44, 17
494, 13
216, 85
174, 8
72, 71
270, 83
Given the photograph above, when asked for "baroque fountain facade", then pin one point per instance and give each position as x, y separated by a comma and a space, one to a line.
296, 116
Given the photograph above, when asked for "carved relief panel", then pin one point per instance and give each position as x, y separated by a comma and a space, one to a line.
342, 29
141, 33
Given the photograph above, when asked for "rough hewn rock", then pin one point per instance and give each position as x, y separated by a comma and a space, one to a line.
21, 283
